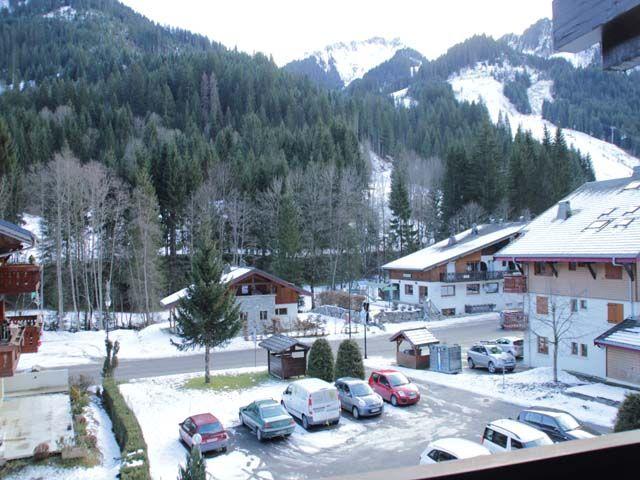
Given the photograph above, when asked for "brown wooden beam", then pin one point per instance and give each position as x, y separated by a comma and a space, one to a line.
590, 267
552, 265
629, 269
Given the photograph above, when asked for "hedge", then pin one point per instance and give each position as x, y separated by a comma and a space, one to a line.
135, 461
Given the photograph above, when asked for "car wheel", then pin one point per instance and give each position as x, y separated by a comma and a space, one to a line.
394, 401
259, 434
510, 370
305, 422
356, 413
492, 367
471, 363
223, 449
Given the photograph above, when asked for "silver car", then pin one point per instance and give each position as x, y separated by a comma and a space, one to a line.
512, 345
357, 397
492, 357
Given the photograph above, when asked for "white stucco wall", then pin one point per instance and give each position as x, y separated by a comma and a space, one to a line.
252, 305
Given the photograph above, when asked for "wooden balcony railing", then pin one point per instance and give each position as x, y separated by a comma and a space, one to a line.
9, 356
31, 326
513, 320
472, 276
16, 278
515, 284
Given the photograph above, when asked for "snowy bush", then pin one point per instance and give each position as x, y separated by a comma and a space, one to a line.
321, 361
349, 361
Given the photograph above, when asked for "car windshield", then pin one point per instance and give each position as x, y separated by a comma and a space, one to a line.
537, 442
272, 411
567, 422
360, 390
494, 350
397, 379
215, 427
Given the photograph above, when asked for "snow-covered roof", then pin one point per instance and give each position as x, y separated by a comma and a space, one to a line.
279, 343
233, 274
417, 337
604, 222
625, 335
15, 237
465, 243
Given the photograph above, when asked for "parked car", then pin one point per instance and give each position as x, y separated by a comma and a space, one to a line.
394, 387
357, 397
558, 425
447, 449
206, 430
313, 401
506, 434
490, 356
512, 345
267, 418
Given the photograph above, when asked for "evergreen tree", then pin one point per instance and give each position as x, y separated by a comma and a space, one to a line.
561, 168
320, 362
9, 175
208, 316
628, 417
349, 360
195, 469
403, 232
286, 263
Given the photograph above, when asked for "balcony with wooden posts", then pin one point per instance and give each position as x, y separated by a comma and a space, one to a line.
18, 335
515, 284
477, 276
18, 278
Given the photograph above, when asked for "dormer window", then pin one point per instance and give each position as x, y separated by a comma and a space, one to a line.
607, 212
632, 210
598, 225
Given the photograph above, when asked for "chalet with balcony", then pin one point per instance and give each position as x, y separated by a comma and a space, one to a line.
580, 260
458, 275
18, 334
264, 299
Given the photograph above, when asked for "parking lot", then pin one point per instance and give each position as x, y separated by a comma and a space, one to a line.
394, 439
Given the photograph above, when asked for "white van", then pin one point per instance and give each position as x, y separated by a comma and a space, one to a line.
506, 434
313, 401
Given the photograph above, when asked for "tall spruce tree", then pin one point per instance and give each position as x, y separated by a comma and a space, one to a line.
9, 175
286, 262
208, 316
403, 232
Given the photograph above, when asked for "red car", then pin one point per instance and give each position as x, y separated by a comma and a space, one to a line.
394, 387
212, 435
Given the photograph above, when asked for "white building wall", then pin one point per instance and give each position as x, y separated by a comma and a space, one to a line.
461, 297
252, 305
586, 325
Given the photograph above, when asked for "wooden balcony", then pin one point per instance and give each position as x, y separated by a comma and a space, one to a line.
513, 320
515, 284
9, 356
17, 278
481, 276
31, 326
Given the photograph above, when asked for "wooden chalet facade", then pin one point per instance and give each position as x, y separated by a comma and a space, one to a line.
18, 334
265, 300
457, 275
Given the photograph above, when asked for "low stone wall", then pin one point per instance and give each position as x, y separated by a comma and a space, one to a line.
398, 316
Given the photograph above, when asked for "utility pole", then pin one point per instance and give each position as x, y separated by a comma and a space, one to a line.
365, 305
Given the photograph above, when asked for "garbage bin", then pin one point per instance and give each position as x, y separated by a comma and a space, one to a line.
446, 358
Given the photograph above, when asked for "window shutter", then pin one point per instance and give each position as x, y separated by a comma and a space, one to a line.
542, 305
615, 312
611, 272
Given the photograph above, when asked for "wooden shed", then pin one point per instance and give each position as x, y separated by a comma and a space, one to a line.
418, 339
286, 356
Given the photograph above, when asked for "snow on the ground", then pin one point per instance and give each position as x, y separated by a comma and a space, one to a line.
600, 390
480, 84
532, 387
98, 424
62, 348
581, 59
352, 60
164, 398
402, 98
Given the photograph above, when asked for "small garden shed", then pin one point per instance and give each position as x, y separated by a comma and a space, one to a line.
418, 339
286, 356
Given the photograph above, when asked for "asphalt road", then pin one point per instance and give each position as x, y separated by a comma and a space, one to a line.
464, 334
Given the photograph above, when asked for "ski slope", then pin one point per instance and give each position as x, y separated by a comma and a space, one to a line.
480, 84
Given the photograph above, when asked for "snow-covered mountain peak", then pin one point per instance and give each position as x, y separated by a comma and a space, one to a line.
353, 59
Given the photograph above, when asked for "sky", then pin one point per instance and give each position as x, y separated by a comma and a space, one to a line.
287, 29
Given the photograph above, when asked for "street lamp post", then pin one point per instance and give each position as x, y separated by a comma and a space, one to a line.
365, 305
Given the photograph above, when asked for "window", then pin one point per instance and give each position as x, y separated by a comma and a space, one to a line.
574, 348
624, 223
584, 350
282, 311
612, 272
543, 345
448, 291
244, 290
632, 210
583, 304
615, 312
542, 305
407, 275
264, 314
598, 225
574, 305
516, 445
541, 268
448, 312
473, 288
500, 439
244, 316
632, 186
573, 266
493, 287
408, 289
607, 212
